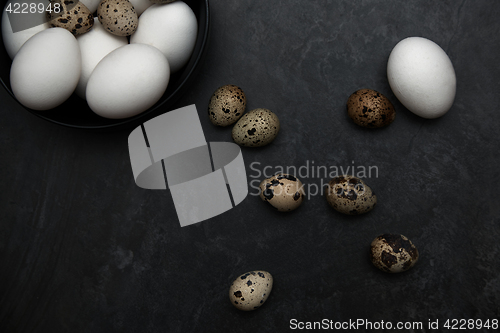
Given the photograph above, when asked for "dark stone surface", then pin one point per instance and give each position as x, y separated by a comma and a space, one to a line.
83, 249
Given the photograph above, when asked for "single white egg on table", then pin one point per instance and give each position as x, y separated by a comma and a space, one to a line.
128, 81
46, 69
95, 45
422, 77
14, 40
172, 28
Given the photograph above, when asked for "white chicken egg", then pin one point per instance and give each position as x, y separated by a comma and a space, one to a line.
128, 81
95, 45
422, 77
172, 28
14, 40
46, 69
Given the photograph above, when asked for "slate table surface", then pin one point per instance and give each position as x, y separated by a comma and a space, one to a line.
83, 249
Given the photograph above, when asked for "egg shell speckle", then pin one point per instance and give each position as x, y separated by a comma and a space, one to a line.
257, 128
118, 17
250, 290
393, 253
350, 195
283, 192
74, 17
369, 108
226, 105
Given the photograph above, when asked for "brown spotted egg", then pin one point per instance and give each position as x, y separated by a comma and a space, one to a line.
283, 192
227, 105
350, 195
393, 253
250, 290
257, 128
369, 108
118, 17
74, 16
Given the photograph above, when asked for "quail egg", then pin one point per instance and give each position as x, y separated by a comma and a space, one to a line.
257, 128
227, 105
369, 108
118, 17
393, 253
350, 195
250, 290
283, 192
74, 16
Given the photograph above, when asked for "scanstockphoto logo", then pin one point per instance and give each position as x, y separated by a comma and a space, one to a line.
205, 179
314, 177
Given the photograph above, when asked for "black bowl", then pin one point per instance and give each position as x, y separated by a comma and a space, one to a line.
75, 112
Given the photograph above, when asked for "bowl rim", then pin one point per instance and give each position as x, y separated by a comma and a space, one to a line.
148, 114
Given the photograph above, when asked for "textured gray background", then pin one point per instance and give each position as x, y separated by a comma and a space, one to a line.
82, 249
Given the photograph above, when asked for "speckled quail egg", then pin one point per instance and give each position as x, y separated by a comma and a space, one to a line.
393, 253
226, 105
74, 16
369, 108
283, 192
250, 290
118, 17
350, 195
257, 128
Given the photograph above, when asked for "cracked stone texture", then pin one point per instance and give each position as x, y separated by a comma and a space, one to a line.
85, 250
